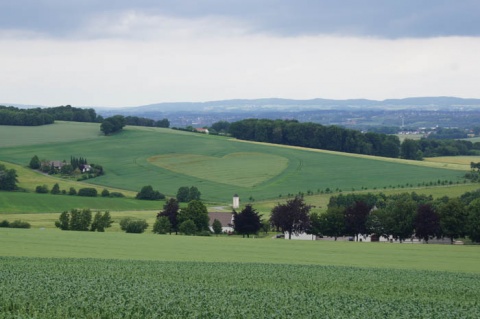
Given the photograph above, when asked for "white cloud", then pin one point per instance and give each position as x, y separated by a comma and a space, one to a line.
134, 59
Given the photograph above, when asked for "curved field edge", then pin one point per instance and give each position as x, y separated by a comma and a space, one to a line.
445, 162
134, 289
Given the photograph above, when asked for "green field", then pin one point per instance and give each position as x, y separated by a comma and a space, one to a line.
55, 274
48, 273
219, 167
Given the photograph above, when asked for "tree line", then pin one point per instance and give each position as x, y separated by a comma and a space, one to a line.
400, 216
10, 115
335, 138
313, 135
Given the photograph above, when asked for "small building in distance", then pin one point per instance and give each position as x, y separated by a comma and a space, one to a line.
236, 201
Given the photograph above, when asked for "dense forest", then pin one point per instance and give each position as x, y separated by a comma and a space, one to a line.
335, 138
10, 115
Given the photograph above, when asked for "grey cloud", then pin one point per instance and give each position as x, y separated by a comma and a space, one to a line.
377, 18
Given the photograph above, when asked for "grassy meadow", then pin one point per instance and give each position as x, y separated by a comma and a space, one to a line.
218, 166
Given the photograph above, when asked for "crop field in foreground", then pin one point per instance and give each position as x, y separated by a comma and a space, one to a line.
221, 167
60, 274
93, 288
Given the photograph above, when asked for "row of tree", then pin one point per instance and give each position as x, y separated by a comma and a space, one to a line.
81, 220
418, 149
143, 121
400, 216
334, 138
40, 116
190, 220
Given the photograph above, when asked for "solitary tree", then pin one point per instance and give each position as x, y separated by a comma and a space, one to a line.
247, 222
55, 189
291, 217
35, 162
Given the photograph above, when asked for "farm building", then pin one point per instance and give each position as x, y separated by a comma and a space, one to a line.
226, 219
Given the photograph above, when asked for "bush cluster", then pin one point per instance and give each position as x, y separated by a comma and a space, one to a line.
15, 224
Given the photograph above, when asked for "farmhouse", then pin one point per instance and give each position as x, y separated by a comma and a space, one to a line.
226, 219
56, 164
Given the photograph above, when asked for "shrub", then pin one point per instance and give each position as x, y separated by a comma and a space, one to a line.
162, 225
135, 226
188, 227
105, 193
72, 191
19, 224
148, 193
5, 223
43, 189
55, 189
88, 191
116, 194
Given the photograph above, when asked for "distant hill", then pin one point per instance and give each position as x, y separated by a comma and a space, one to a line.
270, 104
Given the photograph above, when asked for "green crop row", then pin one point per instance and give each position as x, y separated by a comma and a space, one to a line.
94, 288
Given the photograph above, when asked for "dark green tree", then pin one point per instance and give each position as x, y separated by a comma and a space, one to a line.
162, 225
101, 221
217, 227
148, 193
331, 223
64, 221
401, 213
187, 227
473, 221
55, 189
35, 162
197, 212
453, 218
247, 222
8, 179
292, 217
105, 193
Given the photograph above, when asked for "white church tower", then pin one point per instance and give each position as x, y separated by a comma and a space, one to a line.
236, 201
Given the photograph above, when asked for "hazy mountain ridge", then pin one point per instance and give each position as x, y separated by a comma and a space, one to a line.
427, 103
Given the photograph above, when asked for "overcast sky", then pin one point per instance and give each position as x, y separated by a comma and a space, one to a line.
128, 53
